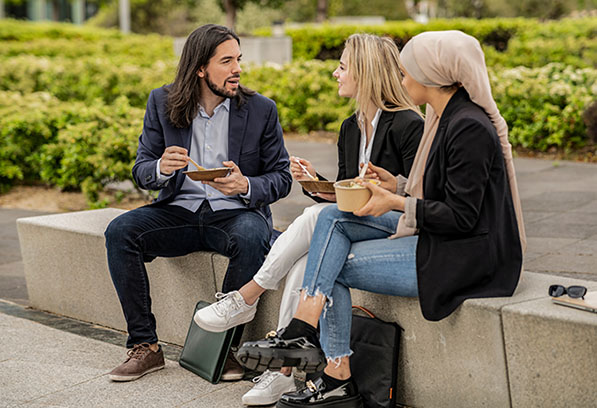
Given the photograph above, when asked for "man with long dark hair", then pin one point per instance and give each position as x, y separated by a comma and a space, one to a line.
205, 116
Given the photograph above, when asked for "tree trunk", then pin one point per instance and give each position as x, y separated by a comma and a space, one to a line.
322, 10
230, 8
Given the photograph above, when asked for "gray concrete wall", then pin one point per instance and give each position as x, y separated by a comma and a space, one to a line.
257, 50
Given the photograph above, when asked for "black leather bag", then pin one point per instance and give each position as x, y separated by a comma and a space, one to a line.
374, 362
204, 353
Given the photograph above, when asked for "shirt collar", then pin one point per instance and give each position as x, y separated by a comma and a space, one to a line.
225, 104
375, 119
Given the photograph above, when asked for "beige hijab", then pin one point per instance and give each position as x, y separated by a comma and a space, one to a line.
443, 58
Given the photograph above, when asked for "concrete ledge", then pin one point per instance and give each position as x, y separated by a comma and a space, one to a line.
66, 270
551, 352
521, 351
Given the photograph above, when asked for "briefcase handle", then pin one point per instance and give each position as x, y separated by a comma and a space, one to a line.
364, 310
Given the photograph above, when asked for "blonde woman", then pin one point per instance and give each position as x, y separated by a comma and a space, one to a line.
462, 203
385, 130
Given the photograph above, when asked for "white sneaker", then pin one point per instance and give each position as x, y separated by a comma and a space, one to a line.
230, 310
268, 388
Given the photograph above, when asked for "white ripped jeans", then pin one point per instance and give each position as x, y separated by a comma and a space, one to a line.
288, 257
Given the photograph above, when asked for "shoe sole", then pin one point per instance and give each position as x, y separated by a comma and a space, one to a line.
124, 378
235, 377
352, 402
219, 329
261, 400
261, 359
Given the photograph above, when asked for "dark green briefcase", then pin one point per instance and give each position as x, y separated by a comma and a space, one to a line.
204, 353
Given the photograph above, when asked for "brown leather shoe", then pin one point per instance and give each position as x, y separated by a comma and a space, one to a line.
233, 371
141, 361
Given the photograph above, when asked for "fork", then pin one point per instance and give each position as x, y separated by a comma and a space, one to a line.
305, 170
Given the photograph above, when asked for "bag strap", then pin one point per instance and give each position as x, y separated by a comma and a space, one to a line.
364, 310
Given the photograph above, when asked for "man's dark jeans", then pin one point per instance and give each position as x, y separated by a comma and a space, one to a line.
145, 233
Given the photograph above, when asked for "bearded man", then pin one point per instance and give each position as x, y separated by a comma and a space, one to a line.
208, 117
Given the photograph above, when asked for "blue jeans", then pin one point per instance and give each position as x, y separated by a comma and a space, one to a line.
354, 252
145, 233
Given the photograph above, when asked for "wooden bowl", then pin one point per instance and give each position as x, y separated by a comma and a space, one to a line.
208, 174
319, 186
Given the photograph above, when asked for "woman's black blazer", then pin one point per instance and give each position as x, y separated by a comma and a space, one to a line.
468, 245
394, 147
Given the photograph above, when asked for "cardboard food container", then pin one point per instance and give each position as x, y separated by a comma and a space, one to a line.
317, 186
351, 196
208, 174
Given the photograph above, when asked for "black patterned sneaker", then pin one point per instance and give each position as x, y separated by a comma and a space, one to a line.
316, 394
141, 360
275, 352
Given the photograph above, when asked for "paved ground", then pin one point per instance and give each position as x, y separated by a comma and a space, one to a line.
47, 360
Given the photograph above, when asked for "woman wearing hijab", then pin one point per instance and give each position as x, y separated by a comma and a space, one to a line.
457, 227
385, 129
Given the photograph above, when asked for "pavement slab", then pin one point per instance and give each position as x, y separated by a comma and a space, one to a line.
43, 366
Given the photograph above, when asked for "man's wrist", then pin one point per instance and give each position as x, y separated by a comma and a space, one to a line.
161, 177
247, 191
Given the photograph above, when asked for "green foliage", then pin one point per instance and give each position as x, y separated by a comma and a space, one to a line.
169, 17
135, 49
390, 9
70, 41
544, 106
305, 93
85, 78
66, 144
72, 99
507, 42
511, 8
15, 30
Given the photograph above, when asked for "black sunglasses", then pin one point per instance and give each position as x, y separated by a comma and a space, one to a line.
572, 291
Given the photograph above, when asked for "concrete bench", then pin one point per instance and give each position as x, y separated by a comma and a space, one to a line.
66, 271
521, 351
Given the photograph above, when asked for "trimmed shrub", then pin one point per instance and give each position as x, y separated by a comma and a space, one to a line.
72, 99
305, 92
84, 79
506, 41
544, 106
69, 145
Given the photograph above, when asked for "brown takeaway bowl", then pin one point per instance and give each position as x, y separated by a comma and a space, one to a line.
208, 174
317, 186
351, 199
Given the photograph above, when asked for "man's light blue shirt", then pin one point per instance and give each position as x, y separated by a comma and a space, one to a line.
209, 148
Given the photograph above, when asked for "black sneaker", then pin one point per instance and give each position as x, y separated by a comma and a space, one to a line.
274, 353
316, 394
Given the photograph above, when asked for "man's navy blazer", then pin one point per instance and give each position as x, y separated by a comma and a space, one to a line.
255, 144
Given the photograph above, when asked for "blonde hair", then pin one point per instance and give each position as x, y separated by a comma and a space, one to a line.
374, 64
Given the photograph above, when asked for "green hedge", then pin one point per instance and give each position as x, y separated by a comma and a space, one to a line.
77, 145
85, 78
544, 106
506, 42
135, 50
67, 144
70, 41
305, 92
72, 99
